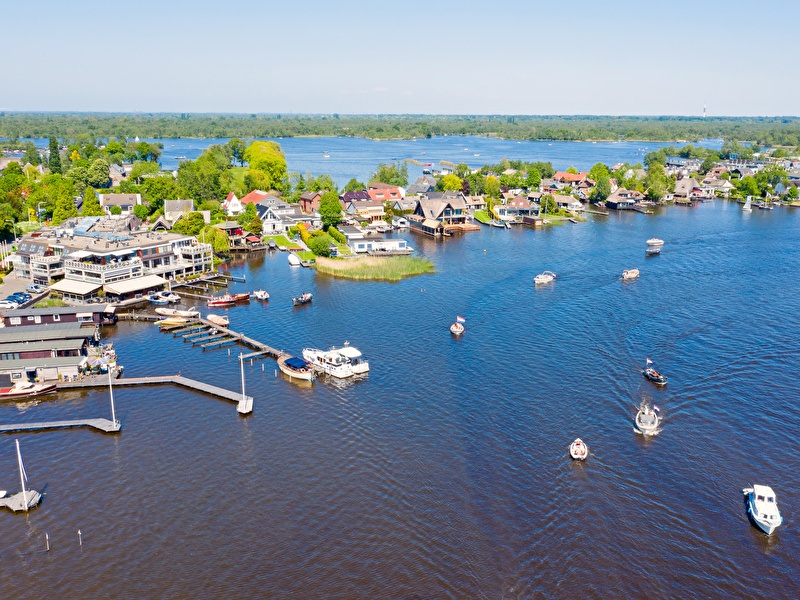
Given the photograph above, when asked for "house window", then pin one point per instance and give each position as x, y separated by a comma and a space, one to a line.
56, 317
30, 318
16, 320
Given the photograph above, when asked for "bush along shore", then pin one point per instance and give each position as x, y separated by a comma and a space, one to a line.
372, 268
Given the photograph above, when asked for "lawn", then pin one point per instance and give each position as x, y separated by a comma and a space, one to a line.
282, 240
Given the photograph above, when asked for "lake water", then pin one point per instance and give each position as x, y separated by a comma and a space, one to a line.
445, 473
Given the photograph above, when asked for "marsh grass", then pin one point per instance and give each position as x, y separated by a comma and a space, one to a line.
374, 268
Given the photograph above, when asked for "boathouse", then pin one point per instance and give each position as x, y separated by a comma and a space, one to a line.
58, 315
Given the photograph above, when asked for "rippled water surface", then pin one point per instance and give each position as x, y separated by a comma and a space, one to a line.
445, 473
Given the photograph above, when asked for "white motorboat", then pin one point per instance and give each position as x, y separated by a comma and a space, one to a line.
296, 368
174, 312
655, 242
359, 364
294, 260
331, 362
544, 278
168, 296
220, 320
578, 450
647, 420
629, 274
762, 508
261, 295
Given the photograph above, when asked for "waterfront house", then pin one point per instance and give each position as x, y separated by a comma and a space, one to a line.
175, 209
101, 314
422, 186
440, 216
570, 179
381, 192
568, 203
125, 202
515, 209
254, 197
684, 188
377, 245
365, 210
623, 199
405, 205
474, 203
232, 205
309, 202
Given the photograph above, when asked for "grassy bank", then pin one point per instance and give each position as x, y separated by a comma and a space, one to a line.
482, 216
373, 268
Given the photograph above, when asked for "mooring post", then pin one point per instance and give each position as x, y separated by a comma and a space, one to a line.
80, 539
47, 542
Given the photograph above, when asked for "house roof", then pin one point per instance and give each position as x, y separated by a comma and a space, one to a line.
377, 185
52, 331
309, 195
566, 177
134, 285
358, 195
120, 199
178, 205
253, 197
71, 286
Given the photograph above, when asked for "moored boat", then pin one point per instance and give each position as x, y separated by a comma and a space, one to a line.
762, 508
261, 295
748, 205
456, 329
220, 301
296, 368
651, 374
242, 297
331, 362
174, 312
544, 278
26, 389
358, 363
630, 274
655, 242
170, 321
294, 260
168, 296
652, 251
303, 298
220, 320
578, 450
647, 420
157, 300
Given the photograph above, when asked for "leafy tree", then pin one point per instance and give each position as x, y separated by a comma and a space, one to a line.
391, 174
247, 214
601, 189
91, 204
707, 165
320, 244
462, 170
268, 158
747, 186
792, 192
97, 175
32, 155
141, 211
655, 182
547, 205
64, 209
141, 168
321, 183
597, 171
256, 179
449, 182
533, 179
572, 170
54, 164
330, 209
115, 210
218, 239
491, 186
155, 190
237, 148
354, 186
190, 224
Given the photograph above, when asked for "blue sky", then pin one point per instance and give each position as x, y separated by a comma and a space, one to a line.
466, 57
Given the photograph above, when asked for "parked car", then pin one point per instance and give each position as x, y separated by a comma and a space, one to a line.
35, 288
8, 304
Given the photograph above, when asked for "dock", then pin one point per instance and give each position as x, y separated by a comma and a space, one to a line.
21, 501
103, 425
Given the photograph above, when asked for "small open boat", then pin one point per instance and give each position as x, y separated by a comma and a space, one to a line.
647, 420
304, 298
296, 368
170, 321
655, 242
220, 301
578, 450
26, 389
544, 278
652, 251
174, 312
629, 274
242, 297
220, 320
261, 295
651, 374
294, 260
762, 508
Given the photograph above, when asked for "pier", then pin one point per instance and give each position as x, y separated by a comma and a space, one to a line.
103, 425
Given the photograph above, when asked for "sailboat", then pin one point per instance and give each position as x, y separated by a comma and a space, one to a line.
748, 205
25, 499
457, 328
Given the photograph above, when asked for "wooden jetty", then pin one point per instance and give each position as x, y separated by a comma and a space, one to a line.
21, 501
104, 425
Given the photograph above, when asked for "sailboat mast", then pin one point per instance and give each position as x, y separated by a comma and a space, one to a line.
241, 366
22, 477
111, 393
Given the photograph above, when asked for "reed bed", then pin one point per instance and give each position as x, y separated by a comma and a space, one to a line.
375, 268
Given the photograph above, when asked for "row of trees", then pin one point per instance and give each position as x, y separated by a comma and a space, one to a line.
767, 131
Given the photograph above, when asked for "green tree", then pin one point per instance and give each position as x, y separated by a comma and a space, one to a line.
547, 205
237, 148
64, 209
572, 170
322, 183
449, 182
391, 174
142, 168
115, 210
189, 224
330, 209
597, 171
707, 165
91, 204
656, 183
354, 186
97, 175
54, 163
141, 211
32, 155
320, 244
533, 179
747, 186
601, 189
218, 239
268, 158
792, 192
491, 186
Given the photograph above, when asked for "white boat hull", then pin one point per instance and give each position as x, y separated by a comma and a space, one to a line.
332, 363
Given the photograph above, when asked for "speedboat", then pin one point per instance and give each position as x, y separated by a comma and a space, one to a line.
331, 362
651, 374
296, 368
543, 278
647, 420
578, 450
630, 274
220, 320
174, 312
220, 301
26, 389
762, 508
652, 251
655, 242
261, 295
304, 298
168, 296
157, 300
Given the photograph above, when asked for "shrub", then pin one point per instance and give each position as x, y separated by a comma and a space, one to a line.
321, 244
304, 235
337, 235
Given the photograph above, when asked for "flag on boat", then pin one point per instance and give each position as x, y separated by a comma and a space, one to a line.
649, 362
460, 319
655, 408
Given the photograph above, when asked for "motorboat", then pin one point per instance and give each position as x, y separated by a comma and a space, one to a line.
296, 368
652, 251
171, 321
578, 450
294, 260
629, 274
174, 312
26, 389
359, 364
647, 420
168, 296
242, 297
304, 298
220, 320
762, 508
261, 295
157, 300
651, 374
220, 301
331, 362
544, 278
655, 242
765, 206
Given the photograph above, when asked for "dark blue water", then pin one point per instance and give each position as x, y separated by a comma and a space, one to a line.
445, 473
